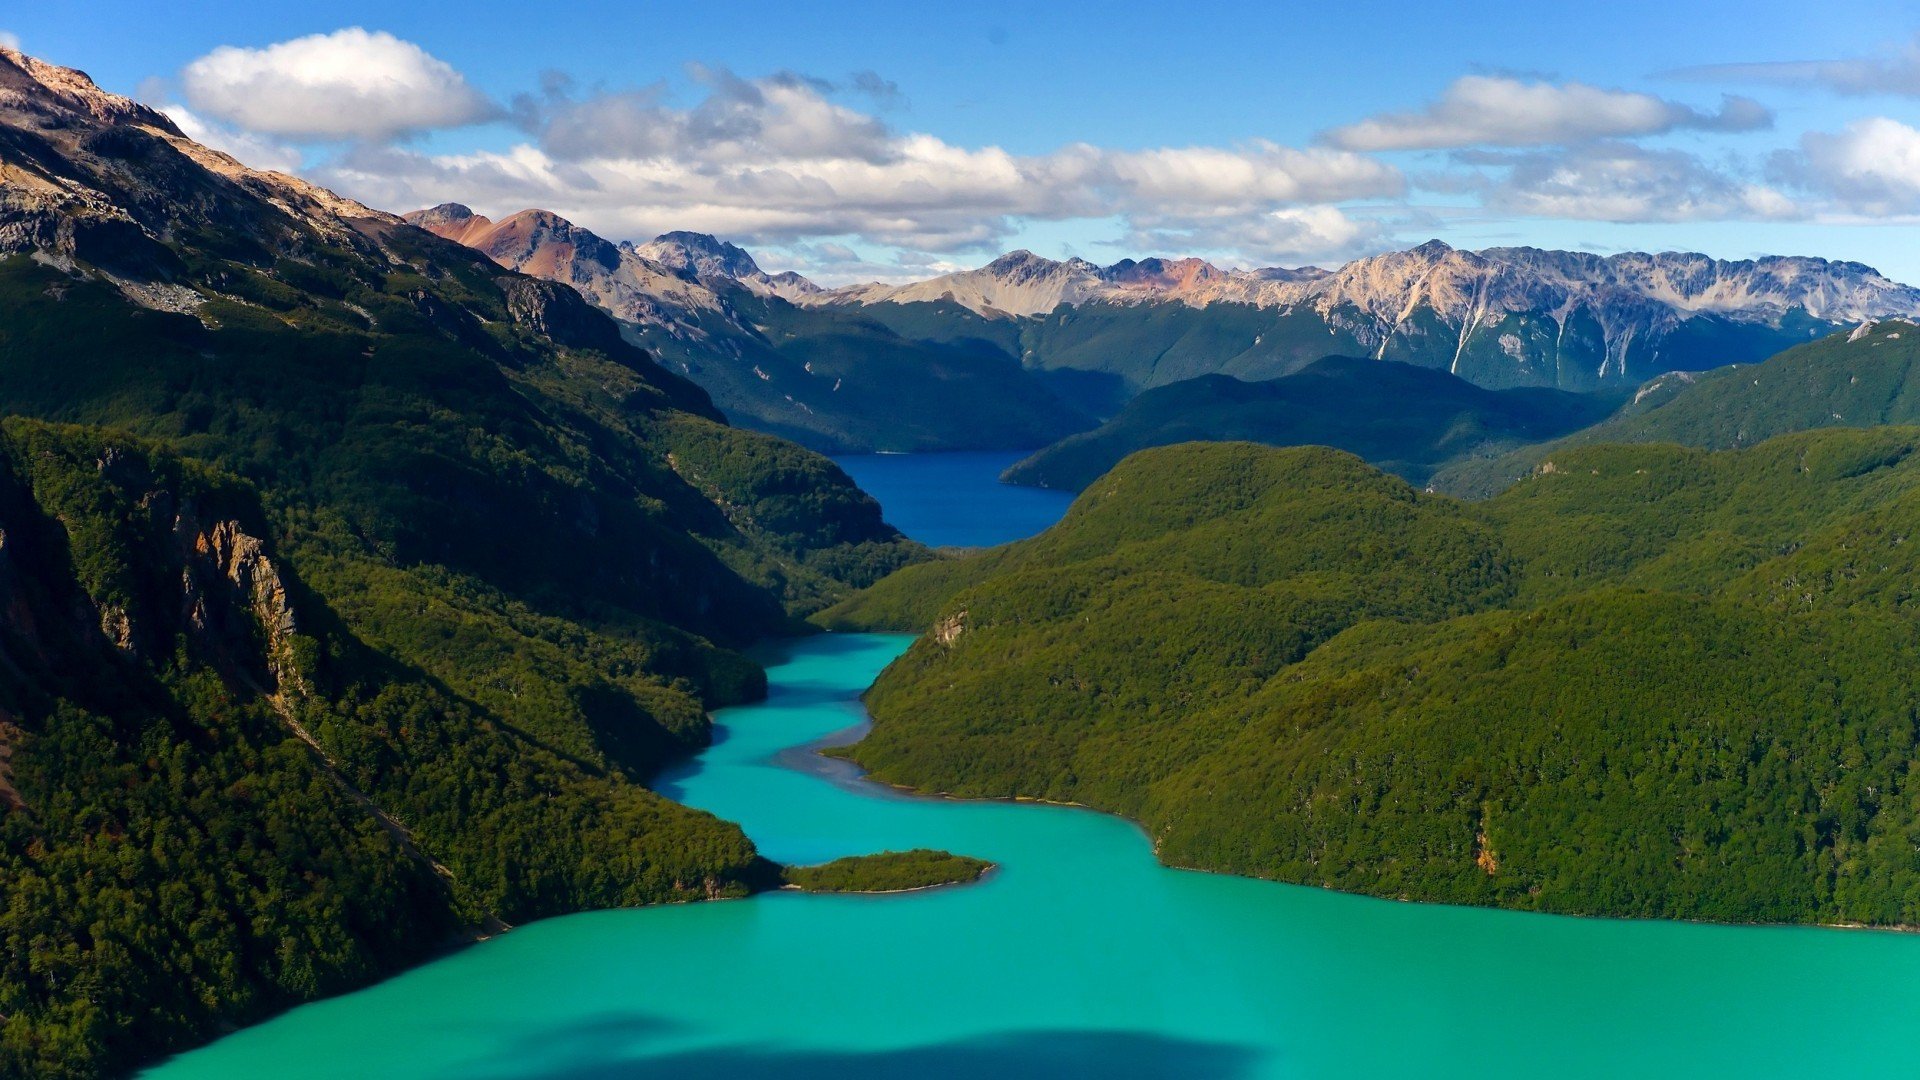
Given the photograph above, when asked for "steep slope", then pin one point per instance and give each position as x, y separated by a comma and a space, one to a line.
174, 858
1862, 378
1404, 419
827, 377
382, 579
1612, 690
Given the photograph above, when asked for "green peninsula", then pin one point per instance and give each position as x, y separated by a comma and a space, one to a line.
1646, 681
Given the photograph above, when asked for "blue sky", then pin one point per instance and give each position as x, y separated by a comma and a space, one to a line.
860, 140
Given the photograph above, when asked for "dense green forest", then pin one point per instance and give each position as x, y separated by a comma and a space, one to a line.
354, 586
1647, 680
1858, 378
1407, 420
887, 871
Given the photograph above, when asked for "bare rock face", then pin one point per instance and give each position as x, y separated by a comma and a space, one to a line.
697, 255
948, 630
118, 628
223, 549
97, 177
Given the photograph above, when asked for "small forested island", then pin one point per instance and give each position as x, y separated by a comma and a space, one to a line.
1646, 681
887, 872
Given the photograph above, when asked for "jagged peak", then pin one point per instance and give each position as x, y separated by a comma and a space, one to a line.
34, 83
448, 214
446, 211
1024, 265
699, 255
544, 219
1155, 272
1018, 258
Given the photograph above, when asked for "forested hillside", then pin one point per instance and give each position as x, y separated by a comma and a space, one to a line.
1858, 378
1407, 420
374, 585
1646, 681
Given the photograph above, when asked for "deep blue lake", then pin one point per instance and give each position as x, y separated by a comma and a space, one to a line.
956, 500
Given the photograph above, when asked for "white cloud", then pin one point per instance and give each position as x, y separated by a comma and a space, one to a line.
1621, 182
9, 40
253, 151
1491, 110
774, 160
739, 121
830, 263
1895, 73
1291, 236
350, 84
1870, 167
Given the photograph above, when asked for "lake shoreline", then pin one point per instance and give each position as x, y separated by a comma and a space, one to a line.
1230, 962
829, 742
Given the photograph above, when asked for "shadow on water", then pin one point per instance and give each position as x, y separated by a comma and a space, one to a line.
610, 1046
672, 780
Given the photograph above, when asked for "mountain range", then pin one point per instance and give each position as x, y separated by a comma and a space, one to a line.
1025, 347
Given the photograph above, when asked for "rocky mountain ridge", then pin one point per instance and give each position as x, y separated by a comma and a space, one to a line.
1434, 273
1633, 299
1498, 317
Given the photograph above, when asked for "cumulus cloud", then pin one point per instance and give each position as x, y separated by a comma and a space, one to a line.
775, 160
1498, 110
1870, 167
1893, 73
831, 263
9, 40
253, 151
1622, 182
738, 121
1290, 235
350, 84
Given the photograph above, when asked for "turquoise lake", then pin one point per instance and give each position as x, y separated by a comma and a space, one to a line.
1079, 956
